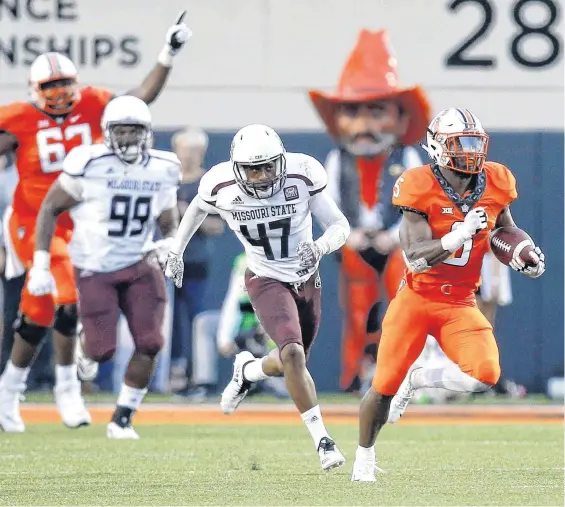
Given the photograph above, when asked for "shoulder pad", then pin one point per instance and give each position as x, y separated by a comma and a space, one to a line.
79, 158
218, 177
9, 114
307, 169
503, 180
171, 161
411, 189
100, 95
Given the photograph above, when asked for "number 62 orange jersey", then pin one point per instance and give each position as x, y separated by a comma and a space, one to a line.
44, 142
423, 190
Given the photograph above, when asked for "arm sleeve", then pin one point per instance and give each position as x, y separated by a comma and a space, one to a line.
73, 186
230, 317
336, 227
191, 221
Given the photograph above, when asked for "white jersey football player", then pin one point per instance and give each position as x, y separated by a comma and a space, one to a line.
267, 197
116, 192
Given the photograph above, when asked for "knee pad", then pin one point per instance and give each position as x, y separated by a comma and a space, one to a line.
373, 323
66, 320
30, 332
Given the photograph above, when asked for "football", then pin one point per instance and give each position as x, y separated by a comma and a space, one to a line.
506, 242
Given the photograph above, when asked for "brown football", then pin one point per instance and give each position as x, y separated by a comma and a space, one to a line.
506, 242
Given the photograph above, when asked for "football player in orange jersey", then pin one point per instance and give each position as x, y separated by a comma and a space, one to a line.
60, 116
448, 209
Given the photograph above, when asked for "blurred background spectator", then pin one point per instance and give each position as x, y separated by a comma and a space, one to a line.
190, 145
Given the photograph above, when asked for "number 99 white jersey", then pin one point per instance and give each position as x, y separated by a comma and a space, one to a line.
269, 229
119, 204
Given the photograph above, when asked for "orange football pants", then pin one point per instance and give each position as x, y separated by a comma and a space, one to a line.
41, 309
461, 330
358, 293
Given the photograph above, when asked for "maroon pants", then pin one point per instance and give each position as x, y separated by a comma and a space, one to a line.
288, 315
137, 291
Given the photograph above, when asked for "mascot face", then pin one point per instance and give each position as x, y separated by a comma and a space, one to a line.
367, 129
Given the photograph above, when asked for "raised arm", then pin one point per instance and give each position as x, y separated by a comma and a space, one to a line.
155, 81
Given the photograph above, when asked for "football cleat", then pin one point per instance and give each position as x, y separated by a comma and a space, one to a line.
10, 418
238, 387
365, 471
116, 432
330, 455
400, 402
70, 405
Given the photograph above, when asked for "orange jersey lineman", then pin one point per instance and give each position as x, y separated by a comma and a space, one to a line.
423, 190
43, 143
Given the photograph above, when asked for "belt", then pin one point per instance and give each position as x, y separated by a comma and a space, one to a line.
446, 289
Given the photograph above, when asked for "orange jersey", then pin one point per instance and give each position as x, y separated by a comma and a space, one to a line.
43, 143
423, 190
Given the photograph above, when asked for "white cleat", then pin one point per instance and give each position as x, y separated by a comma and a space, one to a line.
116, 432
330, 455
238, 388
400, 402
365, 471
70, 405
10, 418
87, 369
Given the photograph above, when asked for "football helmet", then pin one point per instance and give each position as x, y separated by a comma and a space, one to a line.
456, 140
258, 161
126, 124
53, 83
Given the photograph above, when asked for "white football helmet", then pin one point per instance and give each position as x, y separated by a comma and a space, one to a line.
126, 124
258, 161
53, 83
456, 140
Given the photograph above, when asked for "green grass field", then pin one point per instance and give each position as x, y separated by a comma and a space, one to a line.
276, 465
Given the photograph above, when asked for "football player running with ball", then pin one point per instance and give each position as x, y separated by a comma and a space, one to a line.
267, 197
448, 209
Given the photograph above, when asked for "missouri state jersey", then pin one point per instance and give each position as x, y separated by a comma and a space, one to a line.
43, 144
423, 190
269, 229
114, 222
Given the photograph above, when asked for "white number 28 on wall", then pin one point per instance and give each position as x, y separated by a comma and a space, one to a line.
463, 258
51, 148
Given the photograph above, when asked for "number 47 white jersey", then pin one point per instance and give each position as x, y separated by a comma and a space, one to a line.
269, 229
119, 204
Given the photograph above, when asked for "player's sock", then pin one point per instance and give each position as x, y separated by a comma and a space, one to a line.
449, 377
14, 375
313, 420
129, 400
253, 371
365, 453
65, 374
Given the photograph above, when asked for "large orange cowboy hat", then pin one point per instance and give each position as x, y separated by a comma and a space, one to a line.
370, 74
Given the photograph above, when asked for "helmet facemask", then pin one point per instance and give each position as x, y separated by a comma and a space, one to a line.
262, 179
56, 97
129, 141
463, 152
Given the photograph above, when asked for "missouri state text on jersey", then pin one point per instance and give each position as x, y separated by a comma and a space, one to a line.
119, 204
270, 229
423, 190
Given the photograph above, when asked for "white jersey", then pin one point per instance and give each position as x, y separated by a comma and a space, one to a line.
269, 229
114, 222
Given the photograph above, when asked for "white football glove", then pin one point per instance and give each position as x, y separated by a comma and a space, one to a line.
538, 257
177, 35
174, 269
40, 282
476, 220
308, 254
162, 248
